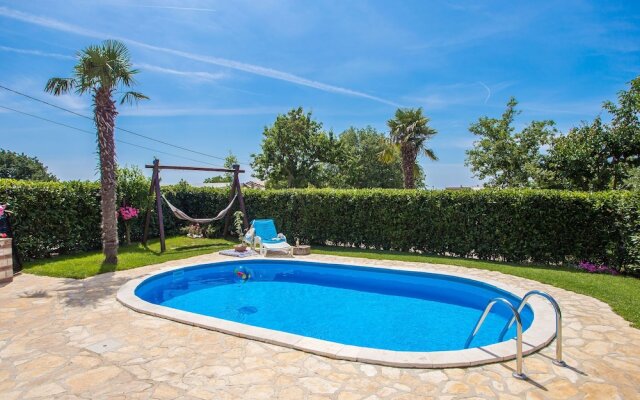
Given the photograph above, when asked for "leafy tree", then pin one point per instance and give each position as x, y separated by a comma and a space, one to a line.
294, 151
623, 141
218, 179
599, 156
133, 186
359, 164
101, 71
23, 167
633, 180
409, 133
505, 157
229, 162
579, 160
183, 185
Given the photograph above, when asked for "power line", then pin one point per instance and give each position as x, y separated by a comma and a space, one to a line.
117, 140
121, 129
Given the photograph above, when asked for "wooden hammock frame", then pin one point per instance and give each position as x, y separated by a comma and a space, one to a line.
155, 188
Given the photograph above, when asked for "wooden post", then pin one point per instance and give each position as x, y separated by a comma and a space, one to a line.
163, 246
147, 217
232, 192
236, 167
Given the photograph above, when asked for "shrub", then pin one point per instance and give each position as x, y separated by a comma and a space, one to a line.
540, 226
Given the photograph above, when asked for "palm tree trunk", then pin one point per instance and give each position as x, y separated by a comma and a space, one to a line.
408, 162
105, 116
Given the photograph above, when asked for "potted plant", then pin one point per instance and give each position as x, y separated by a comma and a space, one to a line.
193, 231
238, 226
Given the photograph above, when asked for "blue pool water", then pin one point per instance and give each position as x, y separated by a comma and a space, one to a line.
367, 307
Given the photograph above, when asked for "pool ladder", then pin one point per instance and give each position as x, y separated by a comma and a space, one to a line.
519, 374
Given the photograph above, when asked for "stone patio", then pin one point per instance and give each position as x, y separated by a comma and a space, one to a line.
68, 339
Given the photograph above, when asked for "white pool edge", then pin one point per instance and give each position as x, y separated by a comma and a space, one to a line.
537, 336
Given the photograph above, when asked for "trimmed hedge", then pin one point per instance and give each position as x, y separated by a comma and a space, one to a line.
541, 226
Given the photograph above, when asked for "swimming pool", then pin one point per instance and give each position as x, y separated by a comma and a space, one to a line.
334, 307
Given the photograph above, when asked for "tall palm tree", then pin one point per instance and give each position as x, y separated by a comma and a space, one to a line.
409, 133
101, 71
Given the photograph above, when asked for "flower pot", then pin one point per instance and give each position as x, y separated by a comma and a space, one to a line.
240, 248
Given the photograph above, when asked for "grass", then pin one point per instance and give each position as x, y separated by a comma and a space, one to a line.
87, 264
622, 293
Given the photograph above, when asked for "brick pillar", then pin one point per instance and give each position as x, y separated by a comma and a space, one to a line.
6, 261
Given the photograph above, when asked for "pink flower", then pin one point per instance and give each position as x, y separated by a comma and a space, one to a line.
2, 208
128, 212
597, 269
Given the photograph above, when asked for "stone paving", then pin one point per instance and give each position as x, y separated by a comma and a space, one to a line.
71, 339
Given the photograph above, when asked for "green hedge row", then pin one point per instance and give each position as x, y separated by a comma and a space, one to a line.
541, 226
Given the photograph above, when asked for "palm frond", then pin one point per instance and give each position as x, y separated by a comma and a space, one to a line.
58, 86
133, 97
105, 65
430, 154
389, 153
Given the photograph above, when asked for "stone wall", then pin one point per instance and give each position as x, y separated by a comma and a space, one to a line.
6, 261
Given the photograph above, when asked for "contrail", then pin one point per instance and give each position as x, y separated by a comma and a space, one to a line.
208, 76
488, 91
237, 65
175, 8
191, 74
36, 53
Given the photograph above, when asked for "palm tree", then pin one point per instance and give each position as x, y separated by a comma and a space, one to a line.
409, 133
102, 70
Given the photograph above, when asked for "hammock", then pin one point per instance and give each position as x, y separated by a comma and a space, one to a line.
181, 214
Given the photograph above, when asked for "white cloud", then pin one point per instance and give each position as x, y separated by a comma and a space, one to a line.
590, 108
443, 96
194, 111
223, 62
36, 53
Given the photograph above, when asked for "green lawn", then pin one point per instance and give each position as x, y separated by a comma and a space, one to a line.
90, 263
622, 293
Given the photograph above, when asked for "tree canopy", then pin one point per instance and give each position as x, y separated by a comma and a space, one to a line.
598, 155
229, 162
504, 157
294, 151
359, 164
21, 166
577, 160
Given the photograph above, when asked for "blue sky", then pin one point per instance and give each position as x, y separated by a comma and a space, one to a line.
217, 72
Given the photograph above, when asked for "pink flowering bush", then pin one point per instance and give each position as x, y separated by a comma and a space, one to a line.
128, 213
2, 208
596, 269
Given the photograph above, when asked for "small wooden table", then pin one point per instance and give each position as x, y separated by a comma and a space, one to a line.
301, 250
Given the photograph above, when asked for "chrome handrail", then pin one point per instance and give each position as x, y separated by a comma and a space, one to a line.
516, 316
558, 361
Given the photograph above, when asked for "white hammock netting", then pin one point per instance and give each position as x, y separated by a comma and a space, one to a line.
183, 216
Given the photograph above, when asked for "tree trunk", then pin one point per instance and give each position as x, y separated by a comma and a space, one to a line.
105, 116
127, 233
408, 154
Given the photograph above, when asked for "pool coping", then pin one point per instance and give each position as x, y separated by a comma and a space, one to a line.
537, 336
